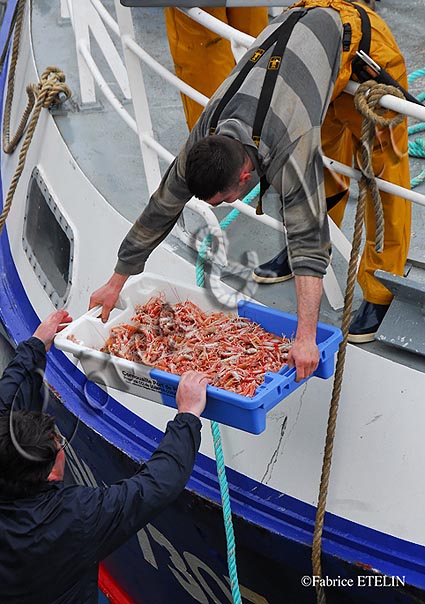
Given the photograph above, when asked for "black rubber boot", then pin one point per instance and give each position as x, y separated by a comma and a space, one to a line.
275, 270
366, 322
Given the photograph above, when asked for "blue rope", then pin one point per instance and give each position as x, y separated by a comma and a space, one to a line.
224, 223
416, 128
227, 513
415, 75
417, 147
418, 180
215, 428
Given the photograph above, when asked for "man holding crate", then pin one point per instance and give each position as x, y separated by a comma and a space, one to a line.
267, 118
47, 527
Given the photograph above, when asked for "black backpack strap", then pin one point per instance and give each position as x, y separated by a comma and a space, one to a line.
280, 37
267, 89
366, 29
237, 82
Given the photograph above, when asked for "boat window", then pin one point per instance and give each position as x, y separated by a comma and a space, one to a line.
48, 240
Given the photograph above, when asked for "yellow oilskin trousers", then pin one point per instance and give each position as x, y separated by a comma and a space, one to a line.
202, 58
340, 141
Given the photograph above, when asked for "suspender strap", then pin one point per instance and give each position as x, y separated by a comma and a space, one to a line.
357, 64
256, 56
264, 185
272, 73
280, 36
267, 91
366, 29
360, 68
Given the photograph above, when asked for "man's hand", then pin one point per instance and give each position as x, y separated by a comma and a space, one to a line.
108, 294
52, 325
304, 355
191, 394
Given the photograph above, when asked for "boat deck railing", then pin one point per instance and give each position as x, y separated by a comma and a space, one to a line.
92, 18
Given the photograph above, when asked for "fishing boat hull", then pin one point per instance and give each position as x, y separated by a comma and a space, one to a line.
374, 540
182, 553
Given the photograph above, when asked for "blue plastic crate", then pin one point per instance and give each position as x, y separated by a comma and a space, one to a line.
249, 414
226, 407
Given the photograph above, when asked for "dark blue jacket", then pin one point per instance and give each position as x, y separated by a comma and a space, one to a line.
51, 542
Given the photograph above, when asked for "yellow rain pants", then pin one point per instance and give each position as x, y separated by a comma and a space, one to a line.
202, 58
340, 136
340, 139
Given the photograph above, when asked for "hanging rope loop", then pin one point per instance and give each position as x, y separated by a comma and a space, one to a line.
49, 91
366, 101
44, 94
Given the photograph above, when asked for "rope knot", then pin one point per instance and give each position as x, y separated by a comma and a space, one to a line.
366, 101
52, 86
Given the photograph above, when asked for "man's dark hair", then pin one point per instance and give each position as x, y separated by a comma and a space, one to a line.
27, 456
214, 165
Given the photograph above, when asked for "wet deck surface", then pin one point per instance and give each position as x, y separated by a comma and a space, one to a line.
122, 181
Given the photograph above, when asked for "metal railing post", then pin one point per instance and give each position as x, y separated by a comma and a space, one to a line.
140, 100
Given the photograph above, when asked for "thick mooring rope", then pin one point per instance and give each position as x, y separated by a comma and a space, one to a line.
366, 101
50, 90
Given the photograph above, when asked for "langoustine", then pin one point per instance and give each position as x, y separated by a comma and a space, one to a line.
234, 351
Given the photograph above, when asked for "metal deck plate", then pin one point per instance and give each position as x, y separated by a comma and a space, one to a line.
404, 323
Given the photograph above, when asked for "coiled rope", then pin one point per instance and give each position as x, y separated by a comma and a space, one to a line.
417, 147
366, 101
49, 91
215, 427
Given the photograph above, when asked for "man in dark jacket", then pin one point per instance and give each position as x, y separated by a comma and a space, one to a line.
52, 536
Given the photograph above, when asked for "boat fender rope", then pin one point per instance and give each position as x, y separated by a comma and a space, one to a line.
366, 100
50, 90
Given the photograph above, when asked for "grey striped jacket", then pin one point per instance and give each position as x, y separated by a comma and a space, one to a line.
289, 153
